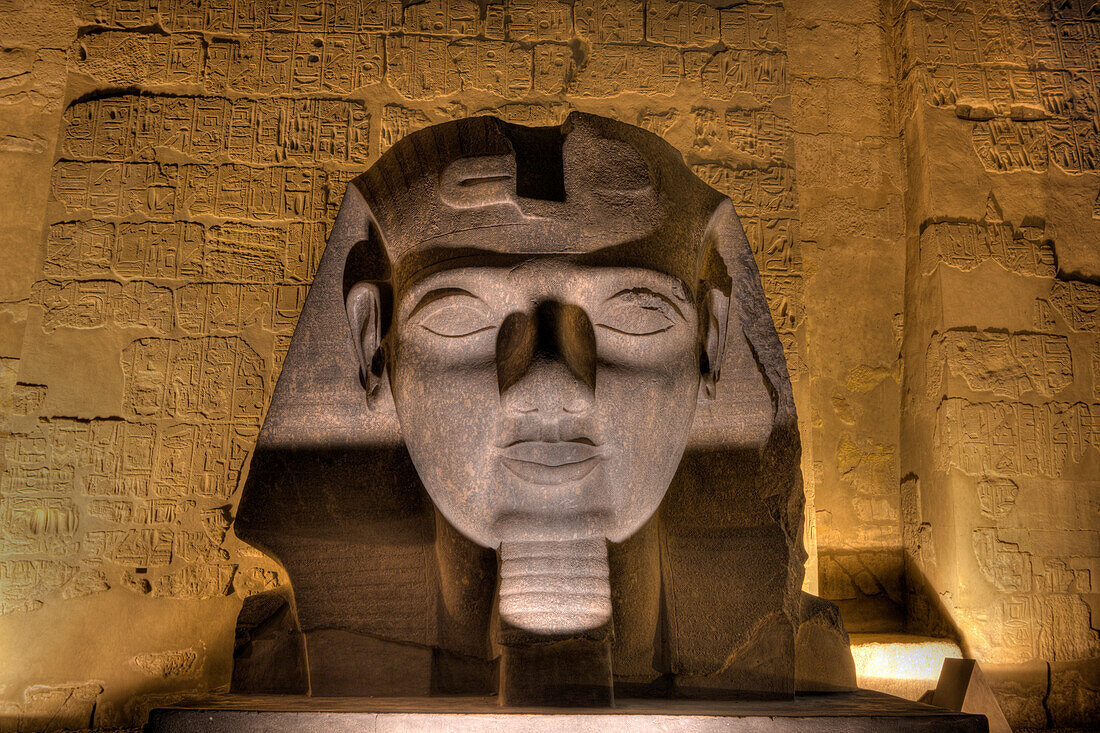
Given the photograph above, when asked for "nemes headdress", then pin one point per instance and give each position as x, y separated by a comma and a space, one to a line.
485, 186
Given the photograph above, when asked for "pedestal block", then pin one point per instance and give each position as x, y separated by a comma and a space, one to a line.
847, 712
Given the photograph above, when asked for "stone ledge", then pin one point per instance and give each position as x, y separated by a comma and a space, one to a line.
846, 712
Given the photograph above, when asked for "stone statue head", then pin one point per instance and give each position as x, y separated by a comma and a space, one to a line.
554, 310
475, 451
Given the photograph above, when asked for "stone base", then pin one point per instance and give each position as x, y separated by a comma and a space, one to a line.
841, 712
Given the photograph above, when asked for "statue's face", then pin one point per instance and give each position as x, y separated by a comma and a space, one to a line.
549, 400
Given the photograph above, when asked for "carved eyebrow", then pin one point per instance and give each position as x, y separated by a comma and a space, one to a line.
438, 294
646, 293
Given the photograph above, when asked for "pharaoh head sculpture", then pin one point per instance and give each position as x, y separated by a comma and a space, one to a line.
555, 309
476, 447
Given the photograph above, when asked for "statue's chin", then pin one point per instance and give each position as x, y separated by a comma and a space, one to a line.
547, 524
555, 588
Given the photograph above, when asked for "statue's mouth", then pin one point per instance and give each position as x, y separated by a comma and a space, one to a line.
557, 462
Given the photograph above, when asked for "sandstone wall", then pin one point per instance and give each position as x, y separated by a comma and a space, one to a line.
998, 109
918, 180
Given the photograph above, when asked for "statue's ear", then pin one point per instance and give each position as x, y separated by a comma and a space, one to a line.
724, 243
364, 307
716, 307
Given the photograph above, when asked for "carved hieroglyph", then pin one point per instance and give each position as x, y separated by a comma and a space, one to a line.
201, 154
1001, 425
805, 113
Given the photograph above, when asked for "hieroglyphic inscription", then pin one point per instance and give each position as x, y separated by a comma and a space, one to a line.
437, 17
256, 580
759, 133
173, 663
213, 378
775, 243
197, 179
180, 250
535, 114
997, 496
530, 20
38, 525
163, 192
26, 399
659, 123
67, 706
766, 202
1005, 146
757, 27
140, 511
761, 74
1005, 364
398, 121
243, 16
754, 191
93, 247
24, 584
197, 580
610, 21
965, 246
212, 129
1015, 439
1038, 611
655, 70
682, 23
1077, 303
1094, 358
1030, 80
1056, 576
65, 458
127, 58
1002, 563
295, 63
422, 68
117, 189
107, 495
94, 303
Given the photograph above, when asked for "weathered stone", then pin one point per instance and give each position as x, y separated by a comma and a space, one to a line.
998, 421
910, 175
962, 687
522, 298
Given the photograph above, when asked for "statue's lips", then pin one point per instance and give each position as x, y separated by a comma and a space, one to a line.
547, 463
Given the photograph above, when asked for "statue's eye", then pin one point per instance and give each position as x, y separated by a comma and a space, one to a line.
457, 317
637, 312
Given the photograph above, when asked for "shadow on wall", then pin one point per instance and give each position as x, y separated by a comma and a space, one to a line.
867, 585
883, 592
54, 709
926, 612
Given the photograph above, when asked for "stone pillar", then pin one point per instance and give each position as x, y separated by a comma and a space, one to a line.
850, 205
1001, 449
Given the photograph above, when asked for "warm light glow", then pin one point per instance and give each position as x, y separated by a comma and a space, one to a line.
900, 657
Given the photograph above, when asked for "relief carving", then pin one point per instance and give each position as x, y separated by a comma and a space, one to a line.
1006, 364
965, 246
1015, 439
195, 189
